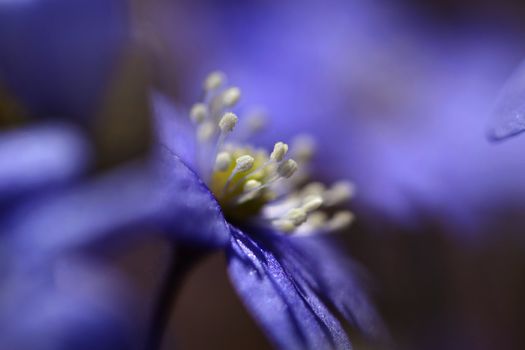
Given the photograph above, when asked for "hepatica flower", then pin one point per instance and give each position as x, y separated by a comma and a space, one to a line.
287, 274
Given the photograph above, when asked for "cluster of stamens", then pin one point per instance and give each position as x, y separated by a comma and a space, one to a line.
250, 183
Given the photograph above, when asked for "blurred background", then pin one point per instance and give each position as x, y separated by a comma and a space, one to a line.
399, 95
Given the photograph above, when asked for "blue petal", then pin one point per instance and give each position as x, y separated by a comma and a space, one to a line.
36, 157
174, 129
165, 196
290, 312
508, 116
333, 276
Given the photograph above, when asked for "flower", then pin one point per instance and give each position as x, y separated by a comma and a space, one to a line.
57, 303
58, 72
287, 274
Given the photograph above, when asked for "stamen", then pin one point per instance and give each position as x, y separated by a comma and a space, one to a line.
214, 80
287, 168
297, 216
303, 148
339, 193
223, 161
228, 122
251, 185
317, 219
248, 186
284, 225
198, 113
311, 203
231, 96
279, 151
313, 188
205, 132
243, 163
340, 220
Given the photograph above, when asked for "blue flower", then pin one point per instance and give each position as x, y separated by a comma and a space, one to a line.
286, 271
55, 303
58, 56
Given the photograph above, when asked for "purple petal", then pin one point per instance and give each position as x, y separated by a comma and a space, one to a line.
36, 157
174, 129
332, 275
165, 196
289, 312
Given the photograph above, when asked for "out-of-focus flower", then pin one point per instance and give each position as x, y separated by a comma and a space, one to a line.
58, 56
288, 276
54, 304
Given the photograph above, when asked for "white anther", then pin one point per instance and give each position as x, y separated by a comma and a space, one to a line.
287, 168
311, 203
284, 225
228, 122
251, 185
205, 132
339, 193
231, 96
340, 220
313, 188
297, 216
304, 148
279, 151
243, 163
214, 80
198, 113
223, 161
317, 219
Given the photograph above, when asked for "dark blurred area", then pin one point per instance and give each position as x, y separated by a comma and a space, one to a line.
403, 89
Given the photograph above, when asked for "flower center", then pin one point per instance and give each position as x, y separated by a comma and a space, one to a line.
251, 183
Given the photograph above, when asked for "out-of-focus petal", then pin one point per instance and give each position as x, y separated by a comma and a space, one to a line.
174, 129
290, 312
47, 309
165, 196
36, 157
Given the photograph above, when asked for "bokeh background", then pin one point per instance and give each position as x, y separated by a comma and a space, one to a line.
399, 95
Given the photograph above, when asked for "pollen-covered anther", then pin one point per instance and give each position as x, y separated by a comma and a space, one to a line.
284, 225
339, 193
251, 185
340, 220
303, 148
223, 161
214, 80
317, 219
198, 113
297, 215
279, 151
231, 96
243, 163
311, 203
313, 188
228, 122
205, 131
287, 168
